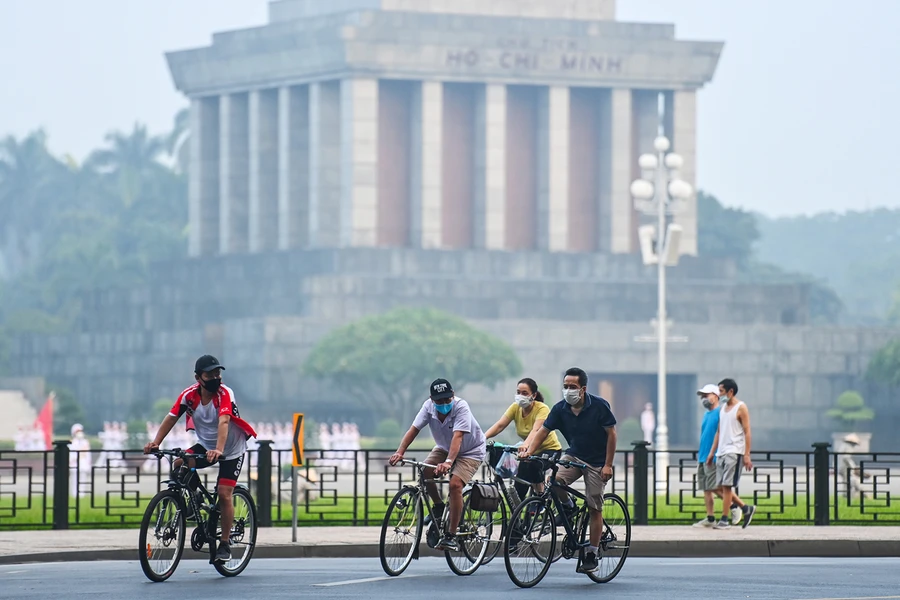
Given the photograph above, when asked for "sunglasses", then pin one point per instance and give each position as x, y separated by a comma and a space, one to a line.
444, 401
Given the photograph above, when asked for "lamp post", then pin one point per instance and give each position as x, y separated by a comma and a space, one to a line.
660, 192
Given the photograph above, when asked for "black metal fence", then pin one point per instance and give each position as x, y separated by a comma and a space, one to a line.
353, 487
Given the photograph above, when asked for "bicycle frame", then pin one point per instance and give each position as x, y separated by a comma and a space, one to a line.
422, 491
210, 508
557, 504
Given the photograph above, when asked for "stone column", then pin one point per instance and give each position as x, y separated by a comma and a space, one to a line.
621, 151
324, 164
427, 164
293, 167
684, 142
263, 179
359, 162
490, 162
203, 185
234, 171
553, 170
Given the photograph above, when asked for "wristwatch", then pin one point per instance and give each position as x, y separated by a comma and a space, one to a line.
448, 461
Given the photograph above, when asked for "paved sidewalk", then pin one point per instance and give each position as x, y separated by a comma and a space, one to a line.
346, 542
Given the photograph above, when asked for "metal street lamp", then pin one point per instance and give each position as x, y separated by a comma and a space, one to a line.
660, 192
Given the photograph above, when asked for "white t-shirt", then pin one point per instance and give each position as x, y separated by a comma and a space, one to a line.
459, 419
206, 426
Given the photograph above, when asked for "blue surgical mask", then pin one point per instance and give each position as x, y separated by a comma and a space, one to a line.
723, 398
444, 409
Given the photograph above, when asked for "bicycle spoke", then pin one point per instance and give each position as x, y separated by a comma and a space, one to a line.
400, 531
529, 543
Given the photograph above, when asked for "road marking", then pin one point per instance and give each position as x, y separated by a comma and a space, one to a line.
13, 572
366, 580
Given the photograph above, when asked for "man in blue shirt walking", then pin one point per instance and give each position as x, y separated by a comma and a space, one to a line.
706, 475
589, 426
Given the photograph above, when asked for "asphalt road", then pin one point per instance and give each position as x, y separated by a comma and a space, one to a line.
645, 578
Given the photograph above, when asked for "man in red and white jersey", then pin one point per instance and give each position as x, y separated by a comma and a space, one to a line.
213, 415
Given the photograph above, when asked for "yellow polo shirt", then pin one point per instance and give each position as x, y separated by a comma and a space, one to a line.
524, 425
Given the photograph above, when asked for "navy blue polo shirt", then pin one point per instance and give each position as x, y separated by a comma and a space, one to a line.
585, 432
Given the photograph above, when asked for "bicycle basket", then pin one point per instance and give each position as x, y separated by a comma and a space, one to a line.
485, 497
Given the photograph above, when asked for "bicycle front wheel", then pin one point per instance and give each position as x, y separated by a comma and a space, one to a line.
473, 534
243, 534
614, 541
499, 523
530, 540
161, 540
401, 531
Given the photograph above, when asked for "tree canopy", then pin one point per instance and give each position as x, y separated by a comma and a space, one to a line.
392, 358
65, 227
733, 233
884, 368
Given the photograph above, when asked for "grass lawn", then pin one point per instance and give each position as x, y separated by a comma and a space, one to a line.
341, 511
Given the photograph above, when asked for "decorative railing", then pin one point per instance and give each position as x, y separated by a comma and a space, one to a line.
352, 487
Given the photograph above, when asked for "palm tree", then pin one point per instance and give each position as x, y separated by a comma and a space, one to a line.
132, 160
179, 140
31, 184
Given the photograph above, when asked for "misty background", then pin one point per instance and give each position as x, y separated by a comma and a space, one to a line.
796, 147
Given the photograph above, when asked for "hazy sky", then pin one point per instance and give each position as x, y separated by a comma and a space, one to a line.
801, 116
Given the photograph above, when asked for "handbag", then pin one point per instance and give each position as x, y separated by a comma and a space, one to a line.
484, 497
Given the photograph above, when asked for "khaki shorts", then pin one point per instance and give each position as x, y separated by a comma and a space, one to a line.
464, 468
593, 481
706, 478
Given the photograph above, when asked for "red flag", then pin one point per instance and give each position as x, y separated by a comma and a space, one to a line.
44, 420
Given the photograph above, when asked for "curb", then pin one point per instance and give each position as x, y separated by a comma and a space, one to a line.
646, 549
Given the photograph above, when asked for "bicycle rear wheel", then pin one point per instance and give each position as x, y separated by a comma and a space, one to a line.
530, 539
243, 534
615, 540
161, 540
473, 534
401, 531
499, 523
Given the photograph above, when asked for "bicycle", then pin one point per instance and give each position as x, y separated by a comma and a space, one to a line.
161, 540
401, 530
537, 517
510, 496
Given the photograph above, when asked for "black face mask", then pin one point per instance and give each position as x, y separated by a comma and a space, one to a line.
211, 385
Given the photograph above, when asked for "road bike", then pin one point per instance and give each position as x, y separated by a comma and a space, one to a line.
404, 521
161, 540
531, 540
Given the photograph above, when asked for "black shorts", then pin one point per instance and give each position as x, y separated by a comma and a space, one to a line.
229, 470
532, 471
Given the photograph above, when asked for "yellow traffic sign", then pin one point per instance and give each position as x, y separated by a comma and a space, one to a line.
297, 444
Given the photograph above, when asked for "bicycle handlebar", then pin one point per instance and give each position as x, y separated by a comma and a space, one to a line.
421, 465
554, 463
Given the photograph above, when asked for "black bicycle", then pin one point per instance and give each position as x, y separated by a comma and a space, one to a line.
531, 543
510, 496
161, 540
401, 531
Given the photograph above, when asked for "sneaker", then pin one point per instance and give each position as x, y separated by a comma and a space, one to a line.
589, 564
448, 543
736, 515
722, 524
223, 554
748, 516
704, 523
